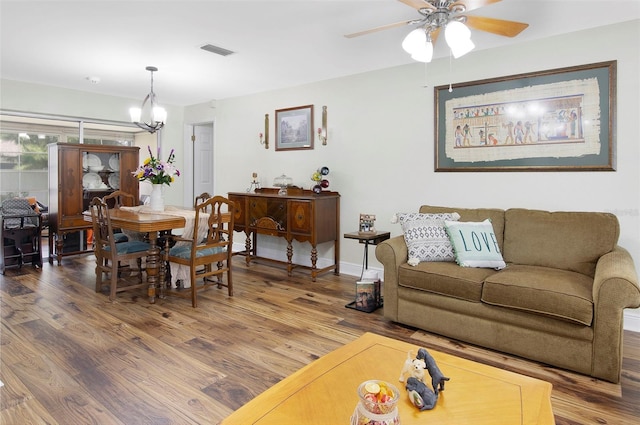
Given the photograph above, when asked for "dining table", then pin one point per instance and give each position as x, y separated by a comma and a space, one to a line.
142, 220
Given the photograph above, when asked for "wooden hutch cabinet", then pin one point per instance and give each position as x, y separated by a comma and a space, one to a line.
77, 174
301, 215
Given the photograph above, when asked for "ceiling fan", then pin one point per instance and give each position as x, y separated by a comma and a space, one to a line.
448, 14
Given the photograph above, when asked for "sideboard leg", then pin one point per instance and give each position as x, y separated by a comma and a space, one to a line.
336, 257
314, 260
289, 258
247, 248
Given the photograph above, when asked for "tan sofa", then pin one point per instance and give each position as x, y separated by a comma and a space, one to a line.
559, 301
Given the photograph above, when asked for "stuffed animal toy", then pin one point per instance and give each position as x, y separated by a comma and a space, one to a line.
420, 395
413, 367
437, 378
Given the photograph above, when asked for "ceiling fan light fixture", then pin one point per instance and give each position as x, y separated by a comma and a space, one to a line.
414, 40
455, 31
423, 53
462, 48
458, 38
449, 16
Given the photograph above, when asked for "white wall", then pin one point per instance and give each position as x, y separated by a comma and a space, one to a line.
381, 141
380, 149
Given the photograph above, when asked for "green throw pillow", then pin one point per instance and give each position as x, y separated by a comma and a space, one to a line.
475, 244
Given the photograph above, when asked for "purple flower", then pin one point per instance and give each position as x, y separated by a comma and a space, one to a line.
157, 171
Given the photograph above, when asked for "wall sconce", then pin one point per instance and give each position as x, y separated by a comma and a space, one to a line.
264, 138
322, 132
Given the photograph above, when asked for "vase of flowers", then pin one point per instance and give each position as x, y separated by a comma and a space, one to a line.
158, 173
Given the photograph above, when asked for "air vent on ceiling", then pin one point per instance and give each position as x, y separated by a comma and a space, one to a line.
217, 50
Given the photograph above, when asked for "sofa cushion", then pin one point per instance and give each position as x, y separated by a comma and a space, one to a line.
426, 237
475, 244
558, 293
474, 214
562, 240
445, 279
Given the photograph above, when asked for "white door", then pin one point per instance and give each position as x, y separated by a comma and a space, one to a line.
203, 159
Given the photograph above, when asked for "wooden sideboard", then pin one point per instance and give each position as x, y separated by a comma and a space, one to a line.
301, 215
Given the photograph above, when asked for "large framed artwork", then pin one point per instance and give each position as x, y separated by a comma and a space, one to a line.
294, 128
556, 120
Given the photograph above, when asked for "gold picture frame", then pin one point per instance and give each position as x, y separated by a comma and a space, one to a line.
294, 128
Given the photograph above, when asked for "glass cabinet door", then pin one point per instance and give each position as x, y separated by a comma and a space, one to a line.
100, 174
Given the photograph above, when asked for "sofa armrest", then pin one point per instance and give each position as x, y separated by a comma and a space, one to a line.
391, 254
615, 287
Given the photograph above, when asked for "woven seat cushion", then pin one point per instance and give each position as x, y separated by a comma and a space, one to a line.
562, 294
130, 247
184, 251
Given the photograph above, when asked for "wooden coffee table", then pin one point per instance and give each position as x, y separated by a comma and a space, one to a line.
324, 392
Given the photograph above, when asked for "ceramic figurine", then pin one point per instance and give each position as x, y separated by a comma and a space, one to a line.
420, 395
413, 367
437, 378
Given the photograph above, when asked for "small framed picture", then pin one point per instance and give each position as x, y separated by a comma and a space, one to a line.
367, 223
294, 128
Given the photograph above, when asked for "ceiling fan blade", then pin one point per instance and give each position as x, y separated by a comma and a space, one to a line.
420, 4
475, 4
496, 26
434, 36
380, 28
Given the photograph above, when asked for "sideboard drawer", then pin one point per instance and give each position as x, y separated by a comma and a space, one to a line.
239, 206
268, 213
301, 217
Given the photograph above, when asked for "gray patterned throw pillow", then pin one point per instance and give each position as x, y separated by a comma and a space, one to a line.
426, 236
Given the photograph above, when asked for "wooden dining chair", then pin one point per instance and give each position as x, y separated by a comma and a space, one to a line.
109, 254
211, 244
203, 197
118, 199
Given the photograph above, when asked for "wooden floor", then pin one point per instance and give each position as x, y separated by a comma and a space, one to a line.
69, 356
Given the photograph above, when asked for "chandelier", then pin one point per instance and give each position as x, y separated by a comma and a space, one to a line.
419, 42
157, 114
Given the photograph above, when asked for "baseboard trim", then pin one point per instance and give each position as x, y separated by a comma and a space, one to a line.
631, 321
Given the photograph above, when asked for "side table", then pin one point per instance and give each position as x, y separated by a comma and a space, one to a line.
367, 238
